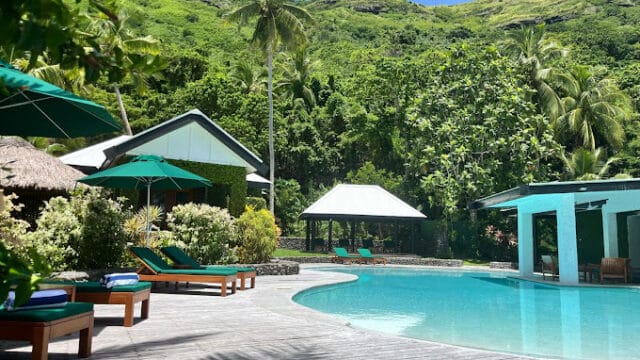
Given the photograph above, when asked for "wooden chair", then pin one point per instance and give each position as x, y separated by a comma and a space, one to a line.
550, 266
38, 326
615, 268
183, 261
155, 269
367, 257
343, 256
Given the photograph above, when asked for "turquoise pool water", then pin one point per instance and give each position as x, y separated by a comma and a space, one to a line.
488, 311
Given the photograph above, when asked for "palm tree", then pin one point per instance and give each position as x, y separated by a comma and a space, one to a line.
248, 79
276, 23
140, 55
585, 164
296, 77
595, 109
529, 46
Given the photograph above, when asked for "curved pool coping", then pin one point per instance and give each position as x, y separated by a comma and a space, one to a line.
444, 350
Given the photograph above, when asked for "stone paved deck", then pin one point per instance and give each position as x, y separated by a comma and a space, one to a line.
261, 323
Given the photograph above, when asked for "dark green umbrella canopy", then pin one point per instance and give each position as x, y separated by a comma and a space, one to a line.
146, 171
36, 108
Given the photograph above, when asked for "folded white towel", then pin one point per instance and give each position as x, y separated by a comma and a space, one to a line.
119, 279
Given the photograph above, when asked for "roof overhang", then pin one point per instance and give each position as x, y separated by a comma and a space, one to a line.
588, 194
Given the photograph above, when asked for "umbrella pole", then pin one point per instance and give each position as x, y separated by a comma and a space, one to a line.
148, 204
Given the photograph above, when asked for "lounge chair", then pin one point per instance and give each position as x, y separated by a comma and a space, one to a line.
614, 268
550, 266
367, 257
343, 256
184, 261
155, 269
38, 326
127, 295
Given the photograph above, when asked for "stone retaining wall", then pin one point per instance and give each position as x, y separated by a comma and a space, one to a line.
399, 260
277, 267
295, 243
503, 265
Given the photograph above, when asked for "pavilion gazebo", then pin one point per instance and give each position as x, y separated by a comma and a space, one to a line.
354, 203
615, 200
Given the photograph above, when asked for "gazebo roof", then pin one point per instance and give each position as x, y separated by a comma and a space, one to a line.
31, 168
361, 202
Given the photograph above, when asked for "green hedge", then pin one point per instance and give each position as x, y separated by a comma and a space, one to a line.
227, 180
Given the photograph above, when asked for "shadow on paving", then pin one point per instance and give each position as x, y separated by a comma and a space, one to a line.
291, 352
126, 351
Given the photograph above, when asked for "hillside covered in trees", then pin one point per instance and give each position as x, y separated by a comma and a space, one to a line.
440, 105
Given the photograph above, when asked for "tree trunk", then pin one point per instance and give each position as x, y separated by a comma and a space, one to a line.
123, 112
271, 150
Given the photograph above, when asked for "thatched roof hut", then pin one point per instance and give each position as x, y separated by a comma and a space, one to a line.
33, 175
32, 169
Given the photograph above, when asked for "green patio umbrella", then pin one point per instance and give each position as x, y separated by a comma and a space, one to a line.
34, 107
146, 172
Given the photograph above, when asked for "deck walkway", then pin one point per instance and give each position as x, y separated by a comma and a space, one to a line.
261, 323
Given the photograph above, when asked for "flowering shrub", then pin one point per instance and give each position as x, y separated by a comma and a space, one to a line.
258, 236
207, 233
85, 231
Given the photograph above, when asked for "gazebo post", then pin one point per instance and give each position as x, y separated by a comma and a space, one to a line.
307, 241
353, 235
413, 236
396, 235
330, 241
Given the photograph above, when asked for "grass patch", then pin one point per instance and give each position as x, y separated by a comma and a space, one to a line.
291, 253
475, 262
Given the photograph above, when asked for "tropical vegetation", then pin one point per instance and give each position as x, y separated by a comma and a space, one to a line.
440, 105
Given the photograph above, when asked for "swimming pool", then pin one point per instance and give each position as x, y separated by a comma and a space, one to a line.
487, 310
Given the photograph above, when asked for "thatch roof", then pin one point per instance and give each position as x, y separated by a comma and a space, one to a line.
33, 168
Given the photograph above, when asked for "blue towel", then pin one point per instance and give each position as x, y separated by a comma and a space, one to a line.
39, 300
119, 279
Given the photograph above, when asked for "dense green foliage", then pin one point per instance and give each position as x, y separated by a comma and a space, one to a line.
440, 105
207, 233
257, 236
83, 232
229, 185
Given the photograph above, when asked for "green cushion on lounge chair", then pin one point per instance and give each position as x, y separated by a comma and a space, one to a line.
72, 308
94, 286
150, 258
342, 252
181, 258
222, 272
366, 253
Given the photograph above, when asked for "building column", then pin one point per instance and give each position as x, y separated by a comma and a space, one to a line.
525, 243
567, 240
610, 233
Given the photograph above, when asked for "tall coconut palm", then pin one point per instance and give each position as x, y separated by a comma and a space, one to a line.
595, 110
140, 56
530, 47
276, 22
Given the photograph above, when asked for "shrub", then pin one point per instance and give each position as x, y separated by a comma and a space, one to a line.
85, 231
103, 240
58, 234
206, 232
258, 236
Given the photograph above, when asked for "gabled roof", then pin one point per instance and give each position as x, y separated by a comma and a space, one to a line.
91, 158
188, 137
364, 202
191, 136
